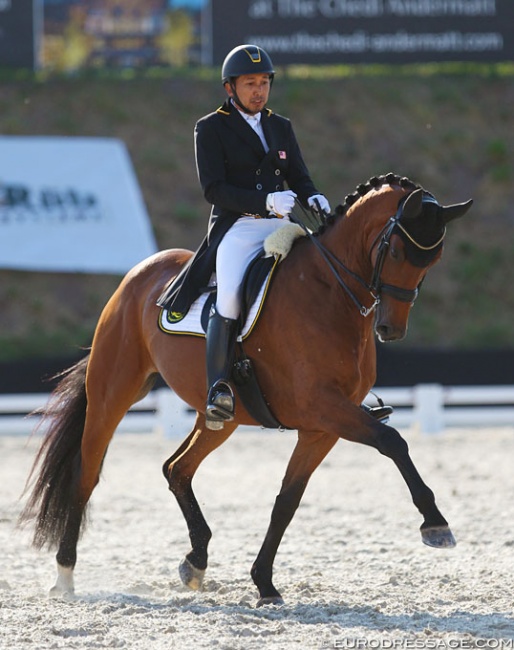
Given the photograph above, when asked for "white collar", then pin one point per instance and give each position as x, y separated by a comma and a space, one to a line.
255, 119
254, 122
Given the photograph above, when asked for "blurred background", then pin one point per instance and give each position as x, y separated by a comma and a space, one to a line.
422, 88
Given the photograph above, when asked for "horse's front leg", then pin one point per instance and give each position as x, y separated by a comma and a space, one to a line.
179, 470
434, 529
310, 450
360, 427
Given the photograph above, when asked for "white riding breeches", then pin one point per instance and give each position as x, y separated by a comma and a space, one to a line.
236, 250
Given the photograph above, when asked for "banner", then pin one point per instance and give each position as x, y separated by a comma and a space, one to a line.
120, 34
21, 22
70, 204
364, 31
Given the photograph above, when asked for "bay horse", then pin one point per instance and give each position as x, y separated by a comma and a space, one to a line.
314, 354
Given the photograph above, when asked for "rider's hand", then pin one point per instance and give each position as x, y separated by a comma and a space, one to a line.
280, 203
323, 203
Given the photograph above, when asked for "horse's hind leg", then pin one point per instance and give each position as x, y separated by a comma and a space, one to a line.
179, 470
112, 386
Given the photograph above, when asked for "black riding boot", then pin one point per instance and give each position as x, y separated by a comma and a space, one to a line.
220, 358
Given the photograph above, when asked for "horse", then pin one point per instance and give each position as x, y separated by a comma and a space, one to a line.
313, 350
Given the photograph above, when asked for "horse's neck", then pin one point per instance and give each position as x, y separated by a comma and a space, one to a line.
314, 269
346, 240
350, 240
351, 237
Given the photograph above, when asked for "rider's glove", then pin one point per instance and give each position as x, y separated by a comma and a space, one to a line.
323, 203
280, 203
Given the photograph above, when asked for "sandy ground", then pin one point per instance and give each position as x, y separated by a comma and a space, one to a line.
351, 568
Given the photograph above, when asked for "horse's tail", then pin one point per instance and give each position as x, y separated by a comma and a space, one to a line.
55, 474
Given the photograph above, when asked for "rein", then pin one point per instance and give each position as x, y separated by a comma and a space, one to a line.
329, 257
376, 287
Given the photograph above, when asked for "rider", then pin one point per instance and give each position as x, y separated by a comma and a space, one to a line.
245, 156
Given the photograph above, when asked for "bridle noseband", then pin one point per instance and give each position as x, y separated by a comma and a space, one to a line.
376, 287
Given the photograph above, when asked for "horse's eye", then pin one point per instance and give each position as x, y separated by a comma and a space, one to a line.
394, 253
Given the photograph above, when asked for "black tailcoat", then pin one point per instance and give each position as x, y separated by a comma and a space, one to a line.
236, 175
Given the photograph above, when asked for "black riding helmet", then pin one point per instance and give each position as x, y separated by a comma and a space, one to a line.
245, 59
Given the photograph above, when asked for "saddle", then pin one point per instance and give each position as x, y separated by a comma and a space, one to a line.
256, 282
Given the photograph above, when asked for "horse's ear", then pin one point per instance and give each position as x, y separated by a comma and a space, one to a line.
451, 212
413, 205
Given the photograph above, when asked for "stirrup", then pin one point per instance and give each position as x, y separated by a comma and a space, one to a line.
220, 405
381, 412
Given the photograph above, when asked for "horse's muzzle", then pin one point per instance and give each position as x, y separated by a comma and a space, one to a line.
389, 332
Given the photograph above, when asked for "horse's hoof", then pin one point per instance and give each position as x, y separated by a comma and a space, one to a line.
270, 600
438, 537
64, 587
58, 592
190, 575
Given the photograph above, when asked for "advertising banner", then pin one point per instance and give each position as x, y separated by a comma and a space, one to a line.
120, 34
20, 30
365, 31
70, 204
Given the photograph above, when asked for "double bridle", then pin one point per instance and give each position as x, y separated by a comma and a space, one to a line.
376, 287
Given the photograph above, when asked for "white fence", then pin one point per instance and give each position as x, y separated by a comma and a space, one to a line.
161, 411
427, 407
431, 407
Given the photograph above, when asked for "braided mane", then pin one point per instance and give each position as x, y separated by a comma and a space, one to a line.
374, 183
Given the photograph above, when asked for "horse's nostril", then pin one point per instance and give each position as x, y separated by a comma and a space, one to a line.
383, 332
387, 332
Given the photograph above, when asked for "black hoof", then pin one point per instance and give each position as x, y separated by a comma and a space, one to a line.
191, 576
438, 537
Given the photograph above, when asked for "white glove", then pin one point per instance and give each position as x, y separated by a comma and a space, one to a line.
280, 203
322, 200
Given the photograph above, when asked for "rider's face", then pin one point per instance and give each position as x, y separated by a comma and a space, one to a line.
252, 91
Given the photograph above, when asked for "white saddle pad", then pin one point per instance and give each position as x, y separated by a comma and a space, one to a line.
278, 244
191, 324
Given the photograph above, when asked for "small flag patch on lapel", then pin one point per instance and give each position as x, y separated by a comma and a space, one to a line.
282, 155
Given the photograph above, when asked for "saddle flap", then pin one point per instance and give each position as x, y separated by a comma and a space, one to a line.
256, 273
